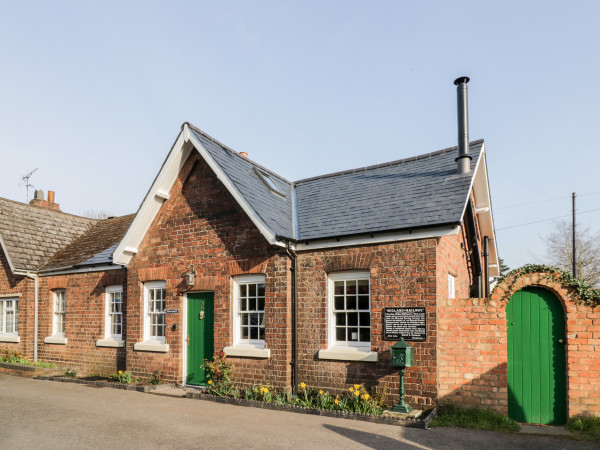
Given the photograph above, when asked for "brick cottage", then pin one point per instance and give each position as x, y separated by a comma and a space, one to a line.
290, 279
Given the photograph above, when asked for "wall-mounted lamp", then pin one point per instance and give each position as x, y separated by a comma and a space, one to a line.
190, 276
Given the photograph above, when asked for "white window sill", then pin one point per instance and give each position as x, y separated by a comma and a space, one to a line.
151, 347
110, 343
10, 338
348, 354
248, 352
55, 340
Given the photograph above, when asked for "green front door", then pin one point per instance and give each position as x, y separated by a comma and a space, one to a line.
536, 358
200, 342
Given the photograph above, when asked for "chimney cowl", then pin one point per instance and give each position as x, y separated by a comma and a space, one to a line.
463, 161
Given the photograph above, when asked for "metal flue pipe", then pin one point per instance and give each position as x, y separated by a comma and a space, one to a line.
463, 162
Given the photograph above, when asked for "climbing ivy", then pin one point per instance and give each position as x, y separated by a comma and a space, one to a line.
586, 293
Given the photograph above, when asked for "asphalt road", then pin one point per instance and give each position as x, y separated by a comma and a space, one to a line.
44, 414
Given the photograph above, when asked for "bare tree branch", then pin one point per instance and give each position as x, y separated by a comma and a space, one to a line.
560, 251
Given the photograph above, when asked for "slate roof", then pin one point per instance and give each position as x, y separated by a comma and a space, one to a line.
409, 193
32, 235
416, 192
94, 247
274, 210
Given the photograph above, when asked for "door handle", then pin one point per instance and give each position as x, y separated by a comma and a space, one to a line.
561, 341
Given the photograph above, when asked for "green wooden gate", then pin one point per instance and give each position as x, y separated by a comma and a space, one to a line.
200, 339
536, 358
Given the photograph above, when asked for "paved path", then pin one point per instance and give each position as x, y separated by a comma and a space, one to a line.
44, 414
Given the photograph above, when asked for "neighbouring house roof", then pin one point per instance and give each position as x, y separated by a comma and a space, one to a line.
416, 193
94, 248
30, 236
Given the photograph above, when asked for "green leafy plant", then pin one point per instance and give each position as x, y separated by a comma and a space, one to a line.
15, 357
586, 426
157, 377
586, 293
123, 377
220, 371
450, 415
70, 373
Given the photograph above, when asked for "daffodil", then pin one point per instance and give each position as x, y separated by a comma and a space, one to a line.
357, 393
357, 386
336, 401
209, 381
366, 396
350, 389
303, 385
320, 392
120, 372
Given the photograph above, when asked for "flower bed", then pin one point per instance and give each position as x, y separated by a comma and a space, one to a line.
14, 363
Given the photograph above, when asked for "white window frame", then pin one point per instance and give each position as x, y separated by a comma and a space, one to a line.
451, 286
59, 314
148, 286
4, 314
110, 339
347, 350
246, 347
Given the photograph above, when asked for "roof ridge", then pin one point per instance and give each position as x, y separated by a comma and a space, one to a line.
387, 164
54, 211
229, 149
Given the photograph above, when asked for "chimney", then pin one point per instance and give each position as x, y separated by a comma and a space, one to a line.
39, 201
463, 162
244, 154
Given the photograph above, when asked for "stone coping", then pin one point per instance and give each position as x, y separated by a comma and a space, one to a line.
109, 384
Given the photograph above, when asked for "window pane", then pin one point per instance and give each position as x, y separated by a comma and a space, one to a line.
363, 286
351, 287
340, 319
365, 319
244, 333
252, 304
340, 334
353, 319
261, 289
254, 319
254, 333
339, 304
262, 334
243, 290
353, 334
351, 302
244, 319
363, 302
243, 304
338, 288
365, 334
261, 304
251, 290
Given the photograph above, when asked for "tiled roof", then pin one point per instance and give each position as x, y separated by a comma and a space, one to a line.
411, 193
32, 235
94, 247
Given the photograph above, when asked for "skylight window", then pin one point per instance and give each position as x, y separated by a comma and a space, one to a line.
266, 178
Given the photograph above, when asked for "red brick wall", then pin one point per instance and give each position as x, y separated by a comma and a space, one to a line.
202, 225
9, 285
473, 353
84, 321
402, 275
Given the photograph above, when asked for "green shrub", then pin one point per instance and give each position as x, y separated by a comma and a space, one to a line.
450, 415
220, 371
157, 377
121, 377
585, 425
70, 373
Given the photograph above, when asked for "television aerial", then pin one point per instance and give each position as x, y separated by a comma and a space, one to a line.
26, 182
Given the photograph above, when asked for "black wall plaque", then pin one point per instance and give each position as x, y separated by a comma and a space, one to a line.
172, 311
407, 323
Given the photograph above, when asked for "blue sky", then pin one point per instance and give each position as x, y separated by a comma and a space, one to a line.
94, 94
